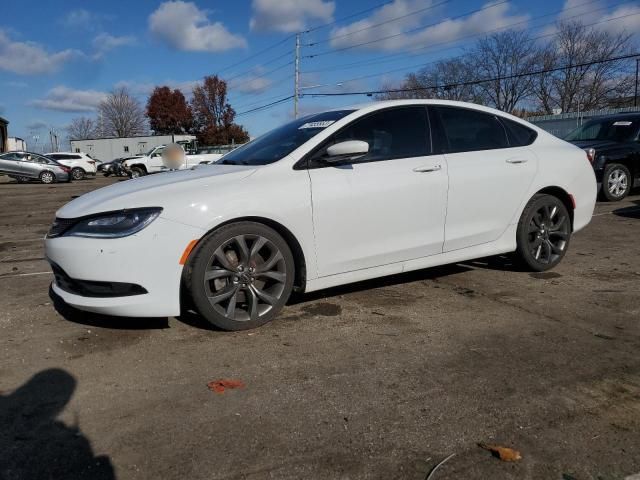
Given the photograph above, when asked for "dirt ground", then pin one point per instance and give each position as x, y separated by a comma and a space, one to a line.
377, 380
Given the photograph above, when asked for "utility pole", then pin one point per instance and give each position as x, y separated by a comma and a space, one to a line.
296, 85
635, 96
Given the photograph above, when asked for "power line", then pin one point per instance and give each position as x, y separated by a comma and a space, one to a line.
260, 100
395, 19
263, 107
402, 56
475, 82
407, 67
238, 75
257, 77
240, 62
336, 50
334, 22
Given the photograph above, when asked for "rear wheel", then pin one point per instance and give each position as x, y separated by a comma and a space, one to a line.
22, 179
47, 177
77, 173
616, 182
543, 234
241, 276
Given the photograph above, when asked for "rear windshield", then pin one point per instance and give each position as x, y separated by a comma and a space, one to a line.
280, 142
615, 130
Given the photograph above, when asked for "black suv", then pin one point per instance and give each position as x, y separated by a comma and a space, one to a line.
612, 144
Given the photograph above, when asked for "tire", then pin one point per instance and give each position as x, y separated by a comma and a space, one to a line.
137, 172
544, 233
106, 174
233, 290
77, 173
616, 182
22, 179
47, 177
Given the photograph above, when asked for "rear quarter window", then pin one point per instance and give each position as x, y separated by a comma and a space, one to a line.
519, 135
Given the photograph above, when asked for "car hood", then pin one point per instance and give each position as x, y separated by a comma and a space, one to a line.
158, 190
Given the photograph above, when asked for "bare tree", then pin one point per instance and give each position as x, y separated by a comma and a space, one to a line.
588, 86
505, 56
444, 79
81, 128
121, 115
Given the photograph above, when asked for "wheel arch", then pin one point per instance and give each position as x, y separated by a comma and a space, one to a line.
300, 263
141, 166
563, 196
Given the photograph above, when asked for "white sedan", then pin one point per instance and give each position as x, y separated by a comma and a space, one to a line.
336, 197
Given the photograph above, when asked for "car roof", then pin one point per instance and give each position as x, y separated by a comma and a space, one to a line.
379, 104
65, 153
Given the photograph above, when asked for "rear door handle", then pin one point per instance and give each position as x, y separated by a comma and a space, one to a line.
517, 160
430, 168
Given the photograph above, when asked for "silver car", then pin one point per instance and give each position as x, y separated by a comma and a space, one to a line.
25, 166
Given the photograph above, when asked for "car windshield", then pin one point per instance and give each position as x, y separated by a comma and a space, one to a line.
615, 130
280, 142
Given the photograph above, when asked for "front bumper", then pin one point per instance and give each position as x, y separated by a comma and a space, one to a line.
148, 259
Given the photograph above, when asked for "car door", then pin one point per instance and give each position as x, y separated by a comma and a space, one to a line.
10, 164
388, 206
488, 176
30, 166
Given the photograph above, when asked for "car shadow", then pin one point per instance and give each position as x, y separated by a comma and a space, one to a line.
629, 212
90, 319
34, 444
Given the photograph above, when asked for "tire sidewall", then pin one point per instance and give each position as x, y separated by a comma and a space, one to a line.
198, 263
522, 237
605, 182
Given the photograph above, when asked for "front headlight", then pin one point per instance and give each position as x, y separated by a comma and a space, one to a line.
109, 225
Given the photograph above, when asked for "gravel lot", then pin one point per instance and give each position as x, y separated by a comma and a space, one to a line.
379, 380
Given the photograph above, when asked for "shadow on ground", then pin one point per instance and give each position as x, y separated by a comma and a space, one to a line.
629, 212
35, 445
191, 318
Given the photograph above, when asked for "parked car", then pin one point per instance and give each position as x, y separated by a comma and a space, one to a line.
612, 144
332, 198
81, 164
115, 167
26, 166
151, 162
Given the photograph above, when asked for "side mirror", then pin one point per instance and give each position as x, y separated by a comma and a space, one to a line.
348, 150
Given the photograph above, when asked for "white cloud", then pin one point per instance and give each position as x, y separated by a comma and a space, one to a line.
105, 42
447, 30
576, 11
289, 15
183, 26
84, 19
36, 125
144, 89
66, 99
29, 58
252, 83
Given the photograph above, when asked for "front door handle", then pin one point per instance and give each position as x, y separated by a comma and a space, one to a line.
517, 160
430, 168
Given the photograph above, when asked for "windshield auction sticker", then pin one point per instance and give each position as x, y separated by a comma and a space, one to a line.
323, 124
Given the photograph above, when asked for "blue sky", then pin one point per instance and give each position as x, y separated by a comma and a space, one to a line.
59, 57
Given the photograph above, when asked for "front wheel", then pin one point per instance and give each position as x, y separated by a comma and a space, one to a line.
241, 276
137, 172
47, 177
543, 234
616, 182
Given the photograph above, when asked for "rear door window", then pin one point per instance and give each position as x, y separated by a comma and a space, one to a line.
468, 130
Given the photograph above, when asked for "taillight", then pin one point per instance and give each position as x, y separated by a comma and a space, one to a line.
65, 169
591, 154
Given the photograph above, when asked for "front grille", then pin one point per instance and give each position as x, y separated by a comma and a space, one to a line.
59, 226
90, 288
